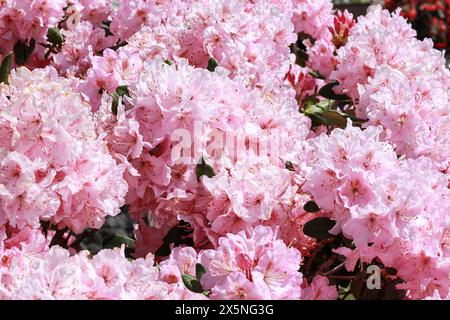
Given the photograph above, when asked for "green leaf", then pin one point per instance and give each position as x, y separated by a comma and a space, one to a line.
301, 57
203, 169
212, 64
168, 62
314, 106
54, 36
5, 68
200, 270
115, 103
304, 36
332, 118
118, 45
321, 114
177, 235
354, 118
345, 292
106, 26
349, 296
311, 207
316, 75
318, 228
119, 240
123, 91
289, 166
328, 93
192, 283
22, 52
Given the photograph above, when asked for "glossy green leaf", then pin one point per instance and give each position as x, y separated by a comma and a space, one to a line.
200, 270
332, 118
289, 166
301, 57
54, 36
328, 93
22, 51
115, 103
106, 25
314, 106
192, 283
311, 207
212, 64
5, 68
119, 240
203, 169
316, 75
123, 91
318, 228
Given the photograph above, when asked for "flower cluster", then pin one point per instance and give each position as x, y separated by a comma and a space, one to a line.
246, 265
55, 274
27, 20
81, 44
253, 265
53, 165
385, 206
398, 82
322, 33
229, 33
312, 17
258, 149
227, 128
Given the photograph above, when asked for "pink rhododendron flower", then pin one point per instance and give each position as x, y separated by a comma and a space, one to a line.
54, 166
398, 82
170, 98
319, 290
385, 206
258, 149
252, 265
24, 20
313, 17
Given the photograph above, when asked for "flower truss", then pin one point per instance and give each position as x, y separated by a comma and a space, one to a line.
261, 149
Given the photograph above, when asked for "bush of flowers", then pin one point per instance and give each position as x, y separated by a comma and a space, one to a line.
262, 150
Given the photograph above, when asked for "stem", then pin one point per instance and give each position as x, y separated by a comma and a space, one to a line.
342, 277
327, 264
312, 257
335, 269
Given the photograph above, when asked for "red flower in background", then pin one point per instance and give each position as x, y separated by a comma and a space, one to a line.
431, 18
